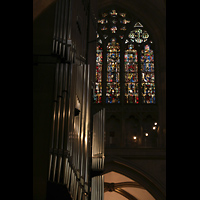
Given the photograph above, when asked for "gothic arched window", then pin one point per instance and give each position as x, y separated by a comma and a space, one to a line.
131, 74
124, 60
98, 75
113, 72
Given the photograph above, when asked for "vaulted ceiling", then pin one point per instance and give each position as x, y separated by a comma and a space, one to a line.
120, 187
152, 13
141, 8
40, 6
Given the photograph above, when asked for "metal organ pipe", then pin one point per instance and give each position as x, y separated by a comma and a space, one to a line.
97, 189
58, 25
61, 28
98, 140
71, 161
69, 155
64, 78
65, 100
52, 157
97, 192
55, 29
65, 24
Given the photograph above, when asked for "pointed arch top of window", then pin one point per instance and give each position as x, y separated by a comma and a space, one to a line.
113, 46
138, 24
136, 84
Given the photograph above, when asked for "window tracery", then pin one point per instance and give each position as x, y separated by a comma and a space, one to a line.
120, 31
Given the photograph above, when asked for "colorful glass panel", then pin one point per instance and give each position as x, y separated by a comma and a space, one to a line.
105, 36
104, 28
103, 21
148, 76
98, 81
118, 22
113, 13
123, 14
125, 21
113, 29
104, 14
114, 21
138, 35
123, 28
131, 74
113, 72
139, 79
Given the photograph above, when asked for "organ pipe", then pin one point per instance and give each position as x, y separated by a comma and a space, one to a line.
98, 140
62, 28
97, 190
69, 155
71, 161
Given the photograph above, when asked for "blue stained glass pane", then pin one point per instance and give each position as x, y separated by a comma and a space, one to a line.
131, 75
113, 72
97, 98
148, 76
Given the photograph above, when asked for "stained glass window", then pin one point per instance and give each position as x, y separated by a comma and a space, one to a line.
138, 35
113, 13
148, 76
104, 14
113, 29
139, 76
131, 75
113, 72
98, 81
125, 21
103, 21
104, 28
123, 14
123, 28
114, 21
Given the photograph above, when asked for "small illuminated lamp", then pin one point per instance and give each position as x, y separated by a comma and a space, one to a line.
134, 137
154, 127
155, 123
146, 134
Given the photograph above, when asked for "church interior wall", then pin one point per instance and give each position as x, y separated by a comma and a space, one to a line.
43, 87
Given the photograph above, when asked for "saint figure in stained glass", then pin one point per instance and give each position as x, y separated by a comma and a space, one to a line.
131, 74
138, 60
148, 76
98, 74
113, 72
